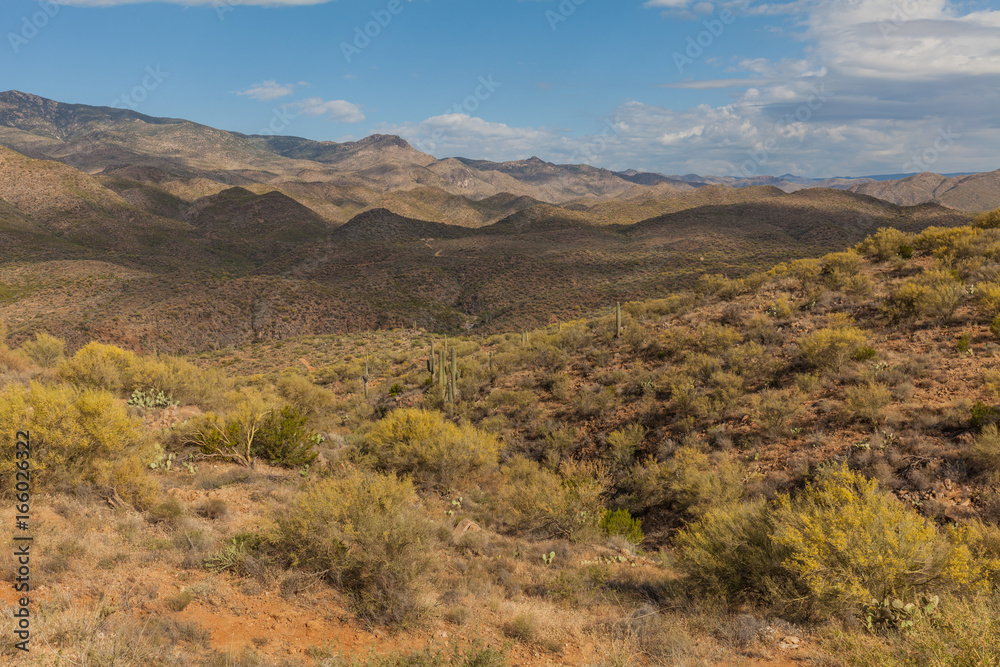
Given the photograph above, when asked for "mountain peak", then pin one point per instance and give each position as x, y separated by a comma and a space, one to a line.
384, 141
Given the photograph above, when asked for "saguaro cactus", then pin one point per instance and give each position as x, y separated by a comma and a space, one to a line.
618, 320
454, 374
430, 360
365, 377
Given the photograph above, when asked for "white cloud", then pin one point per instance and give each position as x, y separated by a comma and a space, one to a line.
894, 75
269, 90
338, 110
195, 3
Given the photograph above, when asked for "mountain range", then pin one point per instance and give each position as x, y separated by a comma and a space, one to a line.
167, 234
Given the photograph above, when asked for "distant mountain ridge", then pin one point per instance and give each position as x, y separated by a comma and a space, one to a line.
94, 139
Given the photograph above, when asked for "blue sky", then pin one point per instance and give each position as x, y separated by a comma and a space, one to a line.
812, 87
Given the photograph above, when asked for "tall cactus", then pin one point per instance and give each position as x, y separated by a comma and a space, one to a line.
454, 375
430, 360
618, 320
366, 376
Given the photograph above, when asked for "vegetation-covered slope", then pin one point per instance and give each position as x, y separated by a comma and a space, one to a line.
751, 471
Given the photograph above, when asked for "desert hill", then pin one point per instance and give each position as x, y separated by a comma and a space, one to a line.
977, 192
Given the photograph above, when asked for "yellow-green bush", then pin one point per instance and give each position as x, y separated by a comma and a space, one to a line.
624, 443
885, 243
776, 410
716, 338
851, 543
363, 530
256, 426
984, 454
836, 545
301, 393
533, 499
78, 436
938, 240
988, 220
867, 402
935, 294
121, 372
45, 350
687, 485
720, 286
807, 271
753, 362
434, 451
839, 268
832, 347
987, 299
729, 552
966, 631
781, 308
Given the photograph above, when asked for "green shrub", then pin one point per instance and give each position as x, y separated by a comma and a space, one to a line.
364, 532
984, 454
532, 499
231, 437
714, 339
832, 347
620, 522
807, 271
45, 350
435, 452
720, 286
987, 299
284, 439
982, 414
